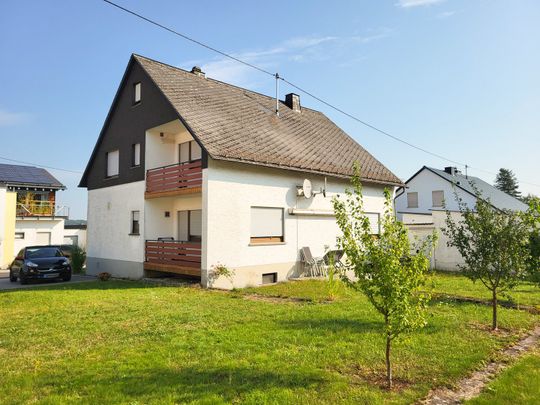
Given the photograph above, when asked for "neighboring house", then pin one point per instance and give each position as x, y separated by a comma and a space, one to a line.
189, 172
29, 214
429, 193
75, 232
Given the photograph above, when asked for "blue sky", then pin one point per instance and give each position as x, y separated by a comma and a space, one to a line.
459, 78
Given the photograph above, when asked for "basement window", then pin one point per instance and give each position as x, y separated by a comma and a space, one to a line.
137, 93
266, 225
269, 278
412, 200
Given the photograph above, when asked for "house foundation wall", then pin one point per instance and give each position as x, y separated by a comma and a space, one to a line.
117, 268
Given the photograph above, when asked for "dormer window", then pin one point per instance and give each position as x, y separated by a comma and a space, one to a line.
137, 93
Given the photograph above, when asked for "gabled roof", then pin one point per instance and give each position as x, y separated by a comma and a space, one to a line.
499, 199
75, 224
235, 124
15, 175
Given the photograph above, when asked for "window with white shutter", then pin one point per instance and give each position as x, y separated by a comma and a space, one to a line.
437, 198
412, 200
113, 163
266, 225
374, 222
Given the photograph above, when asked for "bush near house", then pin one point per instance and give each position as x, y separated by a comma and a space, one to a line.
78, 258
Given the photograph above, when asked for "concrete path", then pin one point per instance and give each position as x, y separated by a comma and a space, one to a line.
5, 284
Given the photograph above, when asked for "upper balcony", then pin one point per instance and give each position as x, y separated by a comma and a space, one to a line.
41, 209
175, 179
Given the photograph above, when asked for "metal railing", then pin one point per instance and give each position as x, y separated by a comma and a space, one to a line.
41, 209
174, 177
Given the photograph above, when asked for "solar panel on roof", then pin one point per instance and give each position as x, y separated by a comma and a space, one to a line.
15, 174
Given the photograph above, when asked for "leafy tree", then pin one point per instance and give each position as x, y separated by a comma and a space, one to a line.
532, 216
385, 270
493, 244
506, 181
528, 198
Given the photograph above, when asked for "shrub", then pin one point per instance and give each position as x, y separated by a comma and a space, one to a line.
220, 270
78, 258
104, 276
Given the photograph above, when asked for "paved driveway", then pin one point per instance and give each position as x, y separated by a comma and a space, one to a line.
5, 284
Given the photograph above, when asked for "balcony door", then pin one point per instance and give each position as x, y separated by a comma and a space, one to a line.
189, 225
189, 152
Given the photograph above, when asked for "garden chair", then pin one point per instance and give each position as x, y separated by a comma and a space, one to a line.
315, 265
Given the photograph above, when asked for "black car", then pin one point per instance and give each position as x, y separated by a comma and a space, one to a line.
40, 262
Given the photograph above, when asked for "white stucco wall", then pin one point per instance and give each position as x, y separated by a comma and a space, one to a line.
110, 247
31, 227
424, 183
163, 151
229, 192
157, 225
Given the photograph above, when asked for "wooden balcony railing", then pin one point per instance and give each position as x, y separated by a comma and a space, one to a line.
173, 256
41, 209
174, 179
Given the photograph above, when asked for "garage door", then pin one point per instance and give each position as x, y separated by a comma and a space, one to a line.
43, 238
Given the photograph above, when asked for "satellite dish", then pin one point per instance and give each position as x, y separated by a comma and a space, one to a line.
308, 190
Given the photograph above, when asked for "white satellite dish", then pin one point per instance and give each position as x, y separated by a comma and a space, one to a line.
307, 189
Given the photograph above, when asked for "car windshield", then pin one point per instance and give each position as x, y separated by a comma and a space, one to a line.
35, 253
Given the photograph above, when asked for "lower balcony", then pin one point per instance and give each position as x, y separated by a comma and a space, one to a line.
180, 178
173, 256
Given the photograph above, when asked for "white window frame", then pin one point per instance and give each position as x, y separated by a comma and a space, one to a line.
137, 93
275, 233
113, 171
136, 155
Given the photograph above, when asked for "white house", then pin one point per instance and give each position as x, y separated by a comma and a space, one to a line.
189, 172
75, 232
29, 214
427, 196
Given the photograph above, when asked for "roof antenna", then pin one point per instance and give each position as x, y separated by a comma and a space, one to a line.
466, 174
277, 94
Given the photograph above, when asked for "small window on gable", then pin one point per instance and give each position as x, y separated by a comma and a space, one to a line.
266, 225
135, 215
412, 200
113, 163
137, 93
136, 154
437, 198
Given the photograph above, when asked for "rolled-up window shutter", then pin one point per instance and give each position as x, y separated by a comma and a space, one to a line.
266, 222
113, 163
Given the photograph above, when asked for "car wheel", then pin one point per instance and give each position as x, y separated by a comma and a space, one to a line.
12, 278
67, 277
23, 280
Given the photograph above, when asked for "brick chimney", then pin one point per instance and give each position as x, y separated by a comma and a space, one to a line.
196, 70
293, 102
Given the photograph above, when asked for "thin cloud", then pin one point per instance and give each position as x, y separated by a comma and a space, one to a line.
446, 14
8, 118
417, 3
296, 49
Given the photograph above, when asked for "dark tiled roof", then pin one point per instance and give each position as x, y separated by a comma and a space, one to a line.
27, 175
240, 125
75, 224
499, 199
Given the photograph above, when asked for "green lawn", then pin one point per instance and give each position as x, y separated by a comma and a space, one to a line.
456, 284
519, 384
130, 343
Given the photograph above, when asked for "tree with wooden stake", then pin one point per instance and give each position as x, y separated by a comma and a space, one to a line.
385, 267
493, 243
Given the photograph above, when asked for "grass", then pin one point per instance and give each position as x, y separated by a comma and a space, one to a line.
454, 283
132, 343
519, 384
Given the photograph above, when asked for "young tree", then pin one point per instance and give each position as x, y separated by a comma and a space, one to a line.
493, 245
532, 216
506, 181
385, 270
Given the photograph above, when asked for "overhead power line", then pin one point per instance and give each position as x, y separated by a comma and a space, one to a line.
310, 94
38, 165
